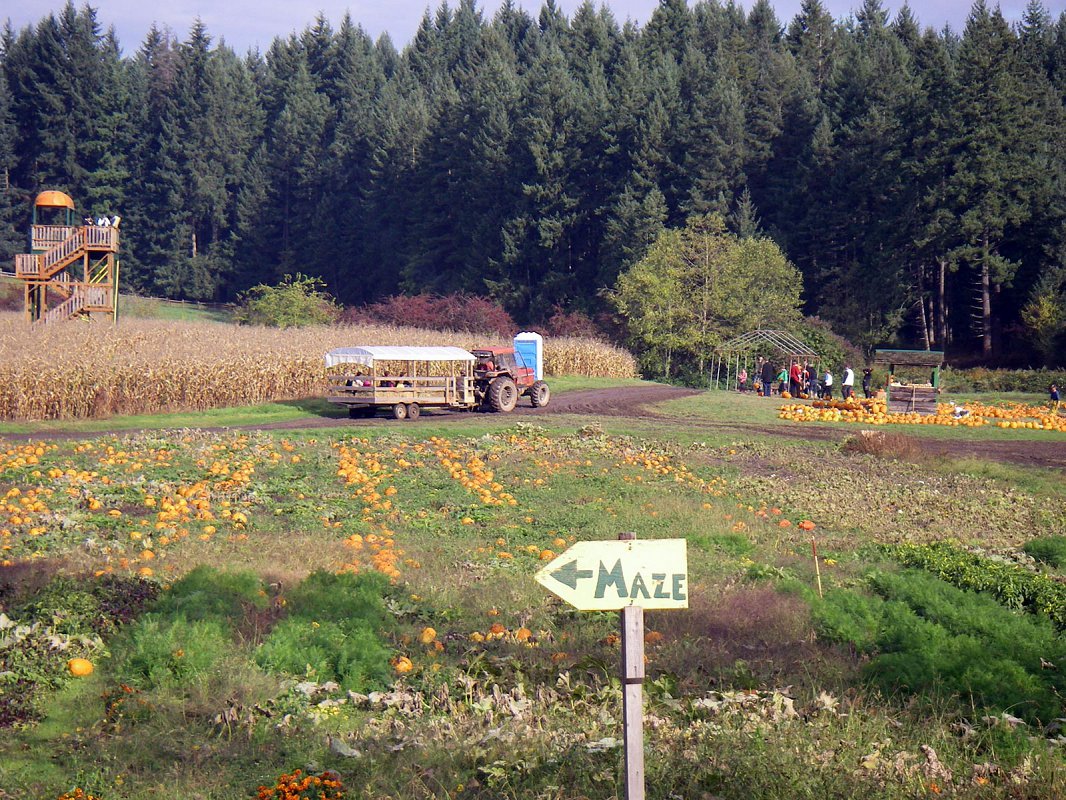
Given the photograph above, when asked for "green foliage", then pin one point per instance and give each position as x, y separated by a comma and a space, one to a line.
1049, 549
981, 379
207, 593
833, 350
1012, 585
173, 651
68, 606
848, 616
333, 631
927, 637
341, 597
699, 286
349, 653
733, 544
298, 300
1044, 315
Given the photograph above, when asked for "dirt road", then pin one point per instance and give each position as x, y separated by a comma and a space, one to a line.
639, 402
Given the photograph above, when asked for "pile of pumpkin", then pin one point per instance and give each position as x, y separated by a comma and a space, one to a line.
874, 412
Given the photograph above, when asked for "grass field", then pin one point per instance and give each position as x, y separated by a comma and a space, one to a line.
420, 659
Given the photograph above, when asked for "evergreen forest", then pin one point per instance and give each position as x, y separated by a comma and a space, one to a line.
916, 178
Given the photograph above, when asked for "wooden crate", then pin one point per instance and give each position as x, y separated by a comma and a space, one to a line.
912, 399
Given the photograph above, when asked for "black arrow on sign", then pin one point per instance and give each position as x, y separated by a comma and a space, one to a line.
568, 574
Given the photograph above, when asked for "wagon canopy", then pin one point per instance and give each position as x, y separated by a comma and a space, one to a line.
366, 356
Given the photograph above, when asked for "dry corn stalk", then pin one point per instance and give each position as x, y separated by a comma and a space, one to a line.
78, 370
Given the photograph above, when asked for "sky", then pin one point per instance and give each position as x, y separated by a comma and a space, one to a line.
248, 24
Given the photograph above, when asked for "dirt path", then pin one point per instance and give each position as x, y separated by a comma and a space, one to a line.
638, 402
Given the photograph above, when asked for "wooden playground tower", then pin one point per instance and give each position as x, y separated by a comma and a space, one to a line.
72, 270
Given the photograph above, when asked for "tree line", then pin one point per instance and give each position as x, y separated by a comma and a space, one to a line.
916, 178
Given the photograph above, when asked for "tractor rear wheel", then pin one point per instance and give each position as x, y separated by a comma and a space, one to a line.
539, 394
399, 411
503, 394
413, 411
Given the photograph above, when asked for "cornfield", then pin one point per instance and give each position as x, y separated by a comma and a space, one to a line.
79, 370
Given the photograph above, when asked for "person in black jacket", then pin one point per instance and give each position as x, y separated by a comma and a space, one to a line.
769, 375
867, 383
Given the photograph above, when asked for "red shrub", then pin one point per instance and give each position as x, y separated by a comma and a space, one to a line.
572, 323
451, 312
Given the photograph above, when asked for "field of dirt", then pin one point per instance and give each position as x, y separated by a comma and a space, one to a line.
638, 402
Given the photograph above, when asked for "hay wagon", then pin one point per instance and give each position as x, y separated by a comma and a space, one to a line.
401, 380
906, 391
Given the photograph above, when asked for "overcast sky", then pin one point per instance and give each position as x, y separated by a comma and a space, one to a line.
246, 24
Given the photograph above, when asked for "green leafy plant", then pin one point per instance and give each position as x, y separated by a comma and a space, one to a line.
298, 300
207, 593
1049, 549
927, 637
333, 631
352, 654
176, 652
1012, 585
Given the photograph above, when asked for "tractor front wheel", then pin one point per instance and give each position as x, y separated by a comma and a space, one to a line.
503, 394
539, 394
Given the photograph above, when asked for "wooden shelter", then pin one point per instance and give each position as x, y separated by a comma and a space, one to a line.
906, 391
743, 352
72, 269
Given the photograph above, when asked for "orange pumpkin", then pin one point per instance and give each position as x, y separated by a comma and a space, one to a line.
80, 667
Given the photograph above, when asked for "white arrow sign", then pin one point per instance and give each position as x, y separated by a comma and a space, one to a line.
610, 575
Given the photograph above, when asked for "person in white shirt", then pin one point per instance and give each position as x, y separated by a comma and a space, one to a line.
827, 385
848, 384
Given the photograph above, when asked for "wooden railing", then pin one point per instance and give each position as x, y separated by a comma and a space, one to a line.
83, 297
101, 238
60, 255
98, 237
27, 266
65, 310
96, 296
45, 237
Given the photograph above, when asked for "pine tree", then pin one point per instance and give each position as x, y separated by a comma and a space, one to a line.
990, 183
12, 201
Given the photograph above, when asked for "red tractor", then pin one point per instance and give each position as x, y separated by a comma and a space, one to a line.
501, 377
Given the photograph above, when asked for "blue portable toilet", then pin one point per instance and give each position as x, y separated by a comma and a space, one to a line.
530, 348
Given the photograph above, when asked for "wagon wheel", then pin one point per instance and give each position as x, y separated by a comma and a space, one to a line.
413, 411
399, 411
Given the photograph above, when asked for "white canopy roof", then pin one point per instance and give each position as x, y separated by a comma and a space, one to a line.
366, 356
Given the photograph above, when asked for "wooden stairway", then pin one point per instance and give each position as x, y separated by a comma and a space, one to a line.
72, 264
80, 242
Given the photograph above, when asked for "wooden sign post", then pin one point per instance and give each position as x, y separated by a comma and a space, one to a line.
627, 576
632, 619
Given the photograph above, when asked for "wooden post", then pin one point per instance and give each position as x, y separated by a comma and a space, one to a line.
632, 624
817, 569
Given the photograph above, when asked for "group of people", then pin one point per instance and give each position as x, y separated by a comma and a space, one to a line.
805, 379
103, 222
